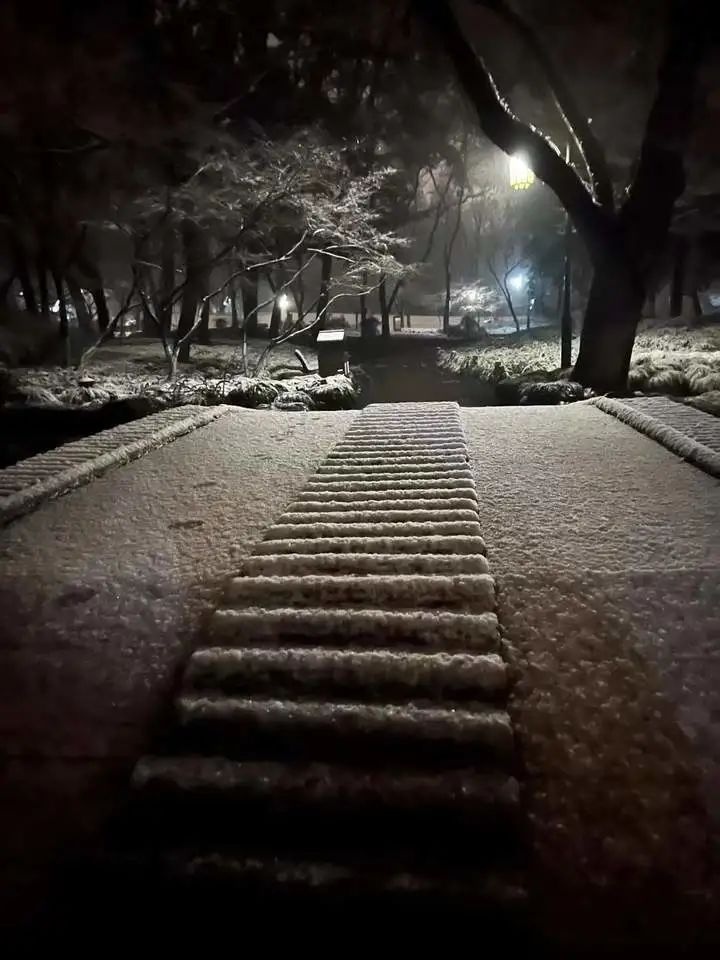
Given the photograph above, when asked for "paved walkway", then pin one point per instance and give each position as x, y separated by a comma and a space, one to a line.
101, 596
606, 549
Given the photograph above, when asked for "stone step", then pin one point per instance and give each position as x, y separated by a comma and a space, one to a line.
339, 811
437, 630
397, 487
408, 515
368, 675
291, 564
382, 445
441, 467
303, 531
271, 729
474, 592
219, 891
397, 458
391, 544
358, 502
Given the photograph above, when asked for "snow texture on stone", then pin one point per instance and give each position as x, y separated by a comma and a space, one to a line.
606, 552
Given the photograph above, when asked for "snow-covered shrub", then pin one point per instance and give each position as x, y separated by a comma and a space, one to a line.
294, 400
249, 392
707, 402
333, 393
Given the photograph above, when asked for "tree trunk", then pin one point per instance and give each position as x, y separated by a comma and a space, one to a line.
196, 286
446, 305
324, 297
384, 310
249, 291
680, 250
64, 325
23, 272
235, 321
203, 330
611, 319
43, 287
363, 299
5, 288
164, 310
81, 311
275, 318
101, 308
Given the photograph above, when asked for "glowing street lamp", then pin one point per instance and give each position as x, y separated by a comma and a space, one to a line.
521, 176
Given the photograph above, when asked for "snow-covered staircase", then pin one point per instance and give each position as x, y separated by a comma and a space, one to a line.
342, 738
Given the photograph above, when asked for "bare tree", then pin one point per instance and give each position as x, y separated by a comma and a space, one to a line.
623, 241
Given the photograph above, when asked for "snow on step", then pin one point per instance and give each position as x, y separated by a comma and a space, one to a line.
471, 732
386, 516
398, 477
383, 445
489, 896
393, 544
431, 433
471, 791
281, 531
374, 674
384, 491
471, 592
395, 485
442, 465
396, 458
325, 503
431, 438
439, 630
294, 564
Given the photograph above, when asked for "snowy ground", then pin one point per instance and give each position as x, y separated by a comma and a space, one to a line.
606, 550
607, 555
101, 594
137, 366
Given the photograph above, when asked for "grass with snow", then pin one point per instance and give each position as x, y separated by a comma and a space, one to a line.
684, 361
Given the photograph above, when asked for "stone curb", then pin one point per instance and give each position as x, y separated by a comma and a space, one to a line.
25, 485
659, 427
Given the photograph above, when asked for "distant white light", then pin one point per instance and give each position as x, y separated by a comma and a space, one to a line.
517, 282
521, 176
283, 301
271, 41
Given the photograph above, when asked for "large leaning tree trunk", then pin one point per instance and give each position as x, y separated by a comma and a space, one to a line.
623, 243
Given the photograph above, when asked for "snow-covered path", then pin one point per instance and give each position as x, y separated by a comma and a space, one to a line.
607, 553
101, 595
606, 549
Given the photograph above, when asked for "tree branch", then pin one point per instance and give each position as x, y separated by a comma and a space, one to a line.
508, 132
660, 175
573, 117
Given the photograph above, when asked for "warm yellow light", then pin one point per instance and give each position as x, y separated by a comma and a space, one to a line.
521, 176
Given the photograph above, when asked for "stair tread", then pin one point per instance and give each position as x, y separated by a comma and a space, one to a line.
373, 673
471, 631
418, 590
289, 564
452, 544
